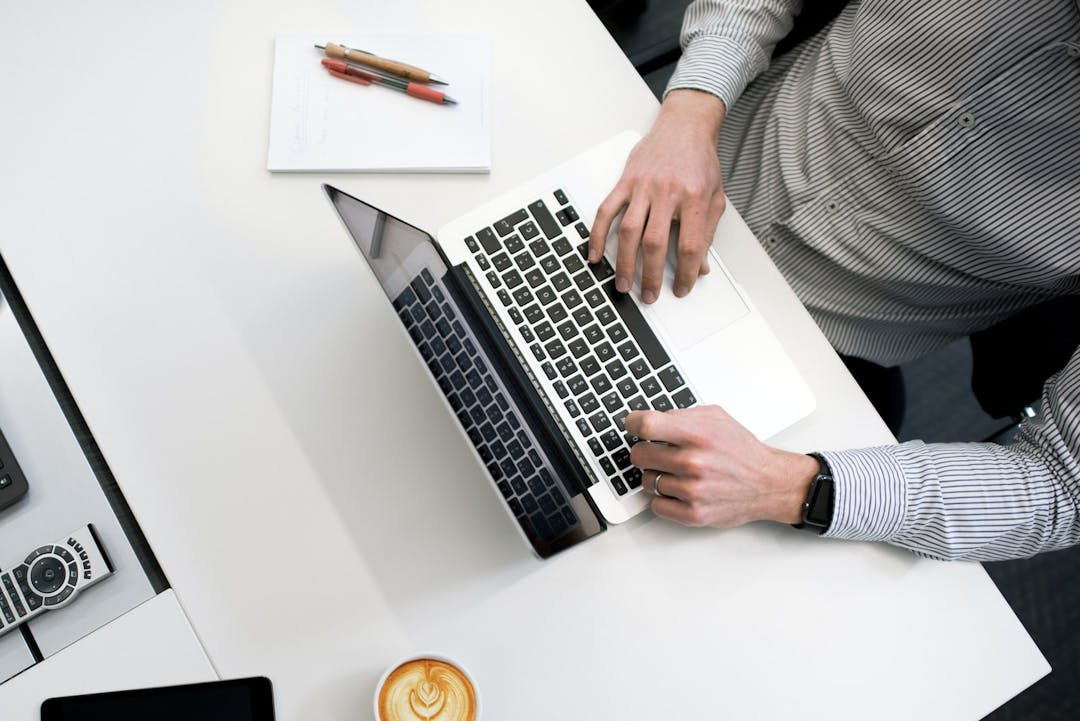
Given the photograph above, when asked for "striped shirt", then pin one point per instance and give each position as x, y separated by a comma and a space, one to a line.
914, 171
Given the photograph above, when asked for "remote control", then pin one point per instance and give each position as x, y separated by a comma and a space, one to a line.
50, 577
12, 481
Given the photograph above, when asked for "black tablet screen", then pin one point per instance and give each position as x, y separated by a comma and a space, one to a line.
238, 700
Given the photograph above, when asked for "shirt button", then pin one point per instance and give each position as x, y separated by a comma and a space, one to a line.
1074, 52
831, 206
770, 240
965, 120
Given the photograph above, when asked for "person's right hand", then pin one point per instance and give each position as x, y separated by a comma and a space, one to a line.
673, 174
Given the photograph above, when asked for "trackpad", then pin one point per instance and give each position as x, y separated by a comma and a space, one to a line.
711, 306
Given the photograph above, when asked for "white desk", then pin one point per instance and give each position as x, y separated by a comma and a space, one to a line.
250, 391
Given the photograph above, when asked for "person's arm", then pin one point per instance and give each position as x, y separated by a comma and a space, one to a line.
971, 501
674, 174
956, 501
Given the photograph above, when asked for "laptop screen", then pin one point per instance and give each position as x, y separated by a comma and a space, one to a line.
396, 251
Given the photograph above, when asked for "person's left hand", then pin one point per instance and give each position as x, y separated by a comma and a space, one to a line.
714, 472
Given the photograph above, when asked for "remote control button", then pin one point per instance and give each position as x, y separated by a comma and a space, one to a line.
73, 574
37, 553
33, 601
47, 575
19, 574
5, 481
62, 552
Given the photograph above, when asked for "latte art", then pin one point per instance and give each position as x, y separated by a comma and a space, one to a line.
425, 689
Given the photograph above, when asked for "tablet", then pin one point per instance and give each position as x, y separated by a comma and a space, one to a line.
244, 699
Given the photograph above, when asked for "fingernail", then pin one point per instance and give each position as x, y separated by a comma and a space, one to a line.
649, 296
622, 285
681, 290
593, 256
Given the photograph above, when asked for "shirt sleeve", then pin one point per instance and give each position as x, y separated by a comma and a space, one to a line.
727, 43
970, 501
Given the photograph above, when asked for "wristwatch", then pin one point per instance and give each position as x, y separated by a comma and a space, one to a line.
817, 510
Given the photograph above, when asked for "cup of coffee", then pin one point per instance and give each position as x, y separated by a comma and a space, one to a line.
427, 687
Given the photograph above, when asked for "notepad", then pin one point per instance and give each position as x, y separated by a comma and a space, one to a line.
322, 123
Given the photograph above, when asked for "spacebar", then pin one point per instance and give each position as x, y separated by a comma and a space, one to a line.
637, 326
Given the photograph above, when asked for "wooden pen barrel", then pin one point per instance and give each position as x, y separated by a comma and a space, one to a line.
390, 67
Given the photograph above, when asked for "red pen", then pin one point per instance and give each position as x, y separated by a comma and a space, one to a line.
345, 71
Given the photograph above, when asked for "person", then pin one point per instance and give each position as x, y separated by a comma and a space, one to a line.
913, 169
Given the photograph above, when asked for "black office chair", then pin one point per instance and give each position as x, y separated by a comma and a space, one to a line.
1012, 360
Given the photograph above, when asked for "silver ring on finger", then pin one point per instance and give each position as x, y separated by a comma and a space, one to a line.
656, 486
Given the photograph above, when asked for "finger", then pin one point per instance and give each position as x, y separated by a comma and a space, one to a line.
654, 245
675, 510
655, 426
630, 232
605, 215
693, 245
705, 268
654, 456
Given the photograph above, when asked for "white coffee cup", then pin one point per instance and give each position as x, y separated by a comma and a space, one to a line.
427, 686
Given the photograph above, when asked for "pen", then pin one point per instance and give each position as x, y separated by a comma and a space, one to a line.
392, 67
345, 71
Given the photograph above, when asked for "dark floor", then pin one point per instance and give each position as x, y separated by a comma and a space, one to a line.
1043, 591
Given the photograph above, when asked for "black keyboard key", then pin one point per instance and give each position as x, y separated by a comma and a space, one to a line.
512, 279
615, 369
612, 402
555, 349
506, 226
545, 332
524, 260
650, 386
627, 351
578, 385
607, 466
534, 314
472, 245
547, 504
600, 383
605, 315
549, 371
420, 289
539, 248
567, 330
600, 421
561, 281
529, 230
621, 458
514, 244
518, 485
578, 347
564, 218
482, 261
595, 297
619, 486
582, 230
557, 313
493, 278
530, 505
573, 263
523, 296
572, 408
617, 333
684, 398
633, 477
602, 270
620, 419
590, 366
501, 262
550, 264
534, 278
627, 387
505, 490
543, 217
537, 351
662, 403
583, 427
488, 240
572, 299
560, 197
611, 440
546, 295
637, 326
582, 317
505, 431
670, 378
515, 315
566, 367
583, 281
638, 404
588, 402
560, 387
595, 447
526, 334
562, 246
639, 368
605, 352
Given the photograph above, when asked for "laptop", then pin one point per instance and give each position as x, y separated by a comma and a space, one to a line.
541, 359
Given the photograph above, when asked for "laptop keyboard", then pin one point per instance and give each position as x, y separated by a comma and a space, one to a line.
590, 341
476, 396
